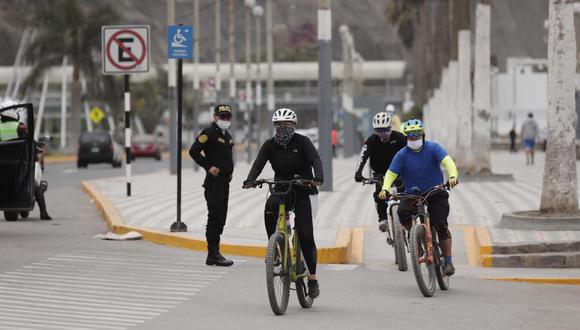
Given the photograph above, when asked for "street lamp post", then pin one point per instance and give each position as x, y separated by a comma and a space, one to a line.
218, 78
196, 91
269, 57
258, 12
325, 90
248, 129
232, 59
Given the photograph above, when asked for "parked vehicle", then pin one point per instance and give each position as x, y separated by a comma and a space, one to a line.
98, 147
145, 146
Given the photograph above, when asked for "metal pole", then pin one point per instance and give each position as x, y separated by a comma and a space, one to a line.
38, 124
196, 92
232, 59
247, 114
325, 90
128, 135
270, 58
258, 12
171, 82
218, 77
63, 104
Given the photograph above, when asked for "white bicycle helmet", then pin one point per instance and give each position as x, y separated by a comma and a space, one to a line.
382, 120
284, 114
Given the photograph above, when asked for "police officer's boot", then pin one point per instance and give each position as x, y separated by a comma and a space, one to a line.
214, 257
39, 195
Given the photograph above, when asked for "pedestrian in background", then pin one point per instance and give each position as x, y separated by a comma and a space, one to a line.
334, 141
529, 135
513, 139
213, 150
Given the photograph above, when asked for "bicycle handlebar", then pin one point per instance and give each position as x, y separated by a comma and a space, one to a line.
366, 181
272, 182
423, 197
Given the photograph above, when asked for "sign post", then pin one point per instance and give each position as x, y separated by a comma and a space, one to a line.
179, 46
125, 51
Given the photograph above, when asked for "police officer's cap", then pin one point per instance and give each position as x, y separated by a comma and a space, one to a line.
222, 110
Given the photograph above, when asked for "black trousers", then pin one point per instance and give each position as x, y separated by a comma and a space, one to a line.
302, 219
438, 208
380, 204
216, 193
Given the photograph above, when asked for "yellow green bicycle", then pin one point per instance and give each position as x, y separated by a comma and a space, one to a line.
284, 260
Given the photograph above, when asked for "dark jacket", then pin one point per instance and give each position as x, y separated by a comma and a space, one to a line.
381, 154
214, 148
298, 158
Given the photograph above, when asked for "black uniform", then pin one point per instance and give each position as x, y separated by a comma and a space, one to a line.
299, 157
213, 148
381, 155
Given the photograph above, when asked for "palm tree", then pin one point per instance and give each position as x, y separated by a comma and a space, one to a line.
63, 28
559, 189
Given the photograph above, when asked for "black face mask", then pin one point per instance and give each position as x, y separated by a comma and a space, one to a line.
283, 135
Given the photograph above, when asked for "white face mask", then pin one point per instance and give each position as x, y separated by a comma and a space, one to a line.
223, 124
415, 145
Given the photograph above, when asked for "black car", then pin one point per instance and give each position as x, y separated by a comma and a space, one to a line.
98, 147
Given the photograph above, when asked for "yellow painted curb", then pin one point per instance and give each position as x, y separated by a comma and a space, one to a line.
58, 158
479, 246
536, 280
347, 248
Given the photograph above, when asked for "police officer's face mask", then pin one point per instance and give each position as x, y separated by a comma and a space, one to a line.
223, 124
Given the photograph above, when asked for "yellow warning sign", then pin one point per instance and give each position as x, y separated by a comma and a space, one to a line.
96, 115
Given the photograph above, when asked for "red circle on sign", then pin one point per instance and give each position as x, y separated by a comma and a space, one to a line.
136, 60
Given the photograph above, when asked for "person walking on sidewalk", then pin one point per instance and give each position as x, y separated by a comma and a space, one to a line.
529, 136
381, 148
419, 164
213, 151
292, 154
513, 136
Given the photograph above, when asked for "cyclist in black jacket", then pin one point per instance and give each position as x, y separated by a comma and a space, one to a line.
381, 149
292, 154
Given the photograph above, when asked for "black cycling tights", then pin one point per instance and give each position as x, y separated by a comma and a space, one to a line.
302, 220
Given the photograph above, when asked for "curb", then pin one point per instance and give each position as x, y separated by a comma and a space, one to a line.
536, 280
59, 158
479, 246
348, 247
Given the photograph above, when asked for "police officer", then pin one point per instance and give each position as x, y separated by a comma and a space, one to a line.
381, 148
212, 150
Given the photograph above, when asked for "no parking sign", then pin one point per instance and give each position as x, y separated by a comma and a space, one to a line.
125, 49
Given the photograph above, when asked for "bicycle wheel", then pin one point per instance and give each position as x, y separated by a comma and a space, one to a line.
424, 273
400, 253
302, 283
277, 278
442, 280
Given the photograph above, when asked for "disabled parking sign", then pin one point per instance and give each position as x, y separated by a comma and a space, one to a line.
179, 41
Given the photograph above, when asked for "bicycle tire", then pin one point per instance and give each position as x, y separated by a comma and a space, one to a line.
275, 271
418, 246
302, 283
442, 280
399, 234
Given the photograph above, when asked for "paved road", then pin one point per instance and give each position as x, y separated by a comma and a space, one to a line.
55, 275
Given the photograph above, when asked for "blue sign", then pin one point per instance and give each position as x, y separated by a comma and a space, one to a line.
180, 41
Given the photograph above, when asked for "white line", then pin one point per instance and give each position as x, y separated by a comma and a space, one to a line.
138, 256
130, 260
128, 269
123, 295
67, 311
105, 281
161, 282
67, 314
49, 325
67, 284
72, 298
136, 276
39, 319
77, 306
125, 264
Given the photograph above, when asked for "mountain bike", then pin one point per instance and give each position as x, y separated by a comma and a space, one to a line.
284, 259
395, 232
424, 247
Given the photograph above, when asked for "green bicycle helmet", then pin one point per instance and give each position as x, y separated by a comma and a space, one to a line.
413, 125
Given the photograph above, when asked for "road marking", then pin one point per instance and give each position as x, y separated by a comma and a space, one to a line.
92, 290
340, 267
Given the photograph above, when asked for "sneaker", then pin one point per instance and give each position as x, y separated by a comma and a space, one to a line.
448, 270
313, 289
383, 225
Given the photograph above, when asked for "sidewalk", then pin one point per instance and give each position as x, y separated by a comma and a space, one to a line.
476, 207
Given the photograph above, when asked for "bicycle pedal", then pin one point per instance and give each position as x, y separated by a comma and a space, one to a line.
390, 241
